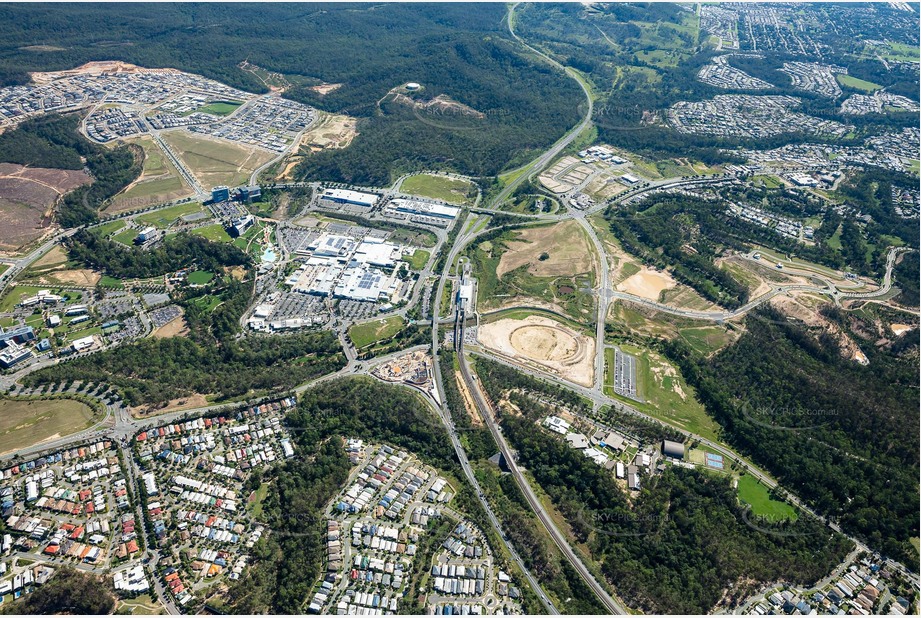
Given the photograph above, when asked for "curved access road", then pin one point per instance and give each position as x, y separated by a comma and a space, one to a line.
541, 162
830, 289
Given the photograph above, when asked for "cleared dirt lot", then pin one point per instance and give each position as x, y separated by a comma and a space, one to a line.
604, 186
647, 283
81, 277
554, 178
566, 244
173, 328
543, 342
331, 131
27, 196
174, 405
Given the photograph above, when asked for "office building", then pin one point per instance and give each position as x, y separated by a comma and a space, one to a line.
13, 354
220, 194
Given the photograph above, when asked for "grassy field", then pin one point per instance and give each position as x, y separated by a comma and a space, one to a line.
24, 423
758, 497
126, 236
258, 499
857, 84
417, 260
215, 233
363, 335
901, 52
150, 192
108, 229
215, 162
207, 303
523, 314
143, 604
164, 217
705, 337
110, 282
531, 204
667, 396
446, 298
159, 181
413, 237
16, 294
200, 277
220, 108
455, 190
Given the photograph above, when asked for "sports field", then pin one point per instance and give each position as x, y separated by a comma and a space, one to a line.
455, 190
220, 108
759, 498
371, 332
24, 423
200, 277
858, 84
215, 233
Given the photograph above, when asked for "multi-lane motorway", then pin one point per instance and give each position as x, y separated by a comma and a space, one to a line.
120, 425
559, 539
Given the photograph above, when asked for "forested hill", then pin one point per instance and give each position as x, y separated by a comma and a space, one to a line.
840, 435
328, 41
515, 104
54, 141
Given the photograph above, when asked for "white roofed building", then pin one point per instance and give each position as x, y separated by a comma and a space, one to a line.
383, 254
355, 198
365, 284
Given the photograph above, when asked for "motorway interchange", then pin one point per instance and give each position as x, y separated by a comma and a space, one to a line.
119, 426
125, 426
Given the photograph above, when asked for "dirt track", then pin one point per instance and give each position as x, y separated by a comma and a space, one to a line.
544, 342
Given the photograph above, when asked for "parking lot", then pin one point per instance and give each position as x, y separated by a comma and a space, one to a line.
357, 310
624, 374
164, 315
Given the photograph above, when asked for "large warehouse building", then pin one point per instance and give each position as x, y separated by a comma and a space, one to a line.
355, 198
673, 449
425, 209
365, 284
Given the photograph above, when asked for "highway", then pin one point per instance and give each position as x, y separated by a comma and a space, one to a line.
544, 159
556, 535
599, 399
445, 415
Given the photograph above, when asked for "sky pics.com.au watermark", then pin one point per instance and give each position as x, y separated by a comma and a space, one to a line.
785, 418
